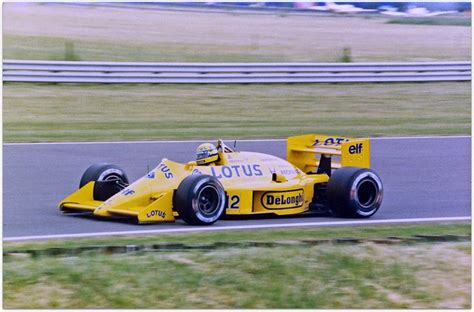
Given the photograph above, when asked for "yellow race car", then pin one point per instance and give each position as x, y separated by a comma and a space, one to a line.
322, 173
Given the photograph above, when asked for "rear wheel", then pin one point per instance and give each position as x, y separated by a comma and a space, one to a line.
110, 179
200, 200
354, 192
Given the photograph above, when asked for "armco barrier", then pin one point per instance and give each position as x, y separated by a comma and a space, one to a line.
212, 73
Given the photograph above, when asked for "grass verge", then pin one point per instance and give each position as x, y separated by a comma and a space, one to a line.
259, 235
41, 30
447, 21
428, 275
42, 112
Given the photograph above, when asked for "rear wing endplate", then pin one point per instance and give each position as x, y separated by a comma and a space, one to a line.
306, 151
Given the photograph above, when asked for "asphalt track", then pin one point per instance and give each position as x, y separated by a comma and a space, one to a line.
424, 178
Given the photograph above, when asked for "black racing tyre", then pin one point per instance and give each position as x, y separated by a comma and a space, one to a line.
354, 192
200, 199
110, 179
103, 172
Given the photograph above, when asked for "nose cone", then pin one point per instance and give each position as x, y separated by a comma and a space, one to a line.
130, 198
140, 194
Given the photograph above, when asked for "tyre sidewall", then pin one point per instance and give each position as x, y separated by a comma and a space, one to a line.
343, 195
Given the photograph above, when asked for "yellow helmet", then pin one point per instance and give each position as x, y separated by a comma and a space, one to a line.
206, 153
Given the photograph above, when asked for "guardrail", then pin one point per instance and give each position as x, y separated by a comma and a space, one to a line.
144, 72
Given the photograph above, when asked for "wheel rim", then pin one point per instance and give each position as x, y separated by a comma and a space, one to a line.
113, 177
367, 192
208, 200
117, 178
111, 174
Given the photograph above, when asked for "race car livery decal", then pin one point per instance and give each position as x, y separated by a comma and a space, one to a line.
232, 201
355, 149
285, 170
166, 171
329, 141
232, 171
288, 171
283, 199
127, 191
156, 212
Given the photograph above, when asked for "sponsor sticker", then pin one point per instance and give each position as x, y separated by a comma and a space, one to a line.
127, 192
159, 213
355, 149
283, 199
329, 141
235, 171
166, 171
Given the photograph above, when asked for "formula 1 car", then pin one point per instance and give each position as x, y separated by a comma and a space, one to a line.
322, 173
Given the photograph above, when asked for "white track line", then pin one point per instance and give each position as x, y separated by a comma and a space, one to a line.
423, 137
230, 140
236, 227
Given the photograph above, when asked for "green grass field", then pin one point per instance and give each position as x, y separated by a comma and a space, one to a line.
367, 275
40, 31
446, 21
35, 112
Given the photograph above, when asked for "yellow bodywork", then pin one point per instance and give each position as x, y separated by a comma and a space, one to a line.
254, 183
344, 152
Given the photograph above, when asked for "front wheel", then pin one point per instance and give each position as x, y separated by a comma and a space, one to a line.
200, 200
354, 192
109, 179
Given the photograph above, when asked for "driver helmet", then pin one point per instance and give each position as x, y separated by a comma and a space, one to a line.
206, 153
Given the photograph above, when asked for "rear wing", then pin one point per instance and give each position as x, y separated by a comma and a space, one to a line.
308, 151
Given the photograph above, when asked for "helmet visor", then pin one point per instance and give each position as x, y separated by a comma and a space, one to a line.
202, 154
